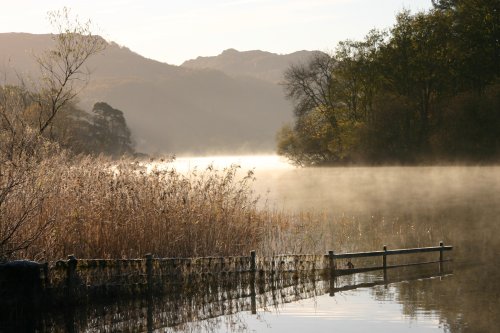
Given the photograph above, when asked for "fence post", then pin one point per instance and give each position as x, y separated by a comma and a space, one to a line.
385, 257
253, 264
71, 277
441, 244
253, 271
331, 264
385, 263
149, 272
331, 268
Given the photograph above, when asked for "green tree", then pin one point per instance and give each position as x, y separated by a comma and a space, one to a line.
110, 130
476, 25
417, 65
400, 96
358, 74
102, 131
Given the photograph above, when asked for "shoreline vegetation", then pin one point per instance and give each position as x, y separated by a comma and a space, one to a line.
96, 207
118, 209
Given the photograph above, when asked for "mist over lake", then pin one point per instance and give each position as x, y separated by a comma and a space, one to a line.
391, 191
455, 204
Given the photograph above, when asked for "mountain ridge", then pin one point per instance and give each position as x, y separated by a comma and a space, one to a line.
259, 64
171, 109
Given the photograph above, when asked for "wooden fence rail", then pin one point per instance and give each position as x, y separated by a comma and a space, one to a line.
335, 270
385, 252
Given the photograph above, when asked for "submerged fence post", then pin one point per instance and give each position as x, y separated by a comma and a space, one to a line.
441, 244
253, 271
46, 278
71, 277
331, 264
331, 268
149, 272
384, 263
149, 316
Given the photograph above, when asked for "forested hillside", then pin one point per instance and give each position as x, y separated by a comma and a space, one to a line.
425, 91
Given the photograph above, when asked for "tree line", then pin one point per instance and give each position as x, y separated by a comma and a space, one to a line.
427, 90
102, 131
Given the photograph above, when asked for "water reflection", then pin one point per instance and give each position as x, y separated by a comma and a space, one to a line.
459, 205
237, 307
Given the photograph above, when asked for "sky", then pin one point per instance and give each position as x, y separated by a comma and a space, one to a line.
173, 31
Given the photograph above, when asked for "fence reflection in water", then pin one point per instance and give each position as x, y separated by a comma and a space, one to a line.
206, 294
203, 301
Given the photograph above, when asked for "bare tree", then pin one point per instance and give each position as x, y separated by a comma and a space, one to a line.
26, 157
22, 180
311, 86
63, 68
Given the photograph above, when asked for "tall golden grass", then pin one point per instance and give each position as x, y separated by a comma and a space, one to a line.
99, 208
108, 209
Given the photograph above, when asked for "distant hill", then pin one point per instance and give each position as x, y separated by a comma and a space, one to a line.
257, 64
175, 109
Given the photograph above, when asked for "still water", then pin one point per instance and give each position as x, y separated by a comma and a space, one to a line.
355, 303
351, 311
461, 206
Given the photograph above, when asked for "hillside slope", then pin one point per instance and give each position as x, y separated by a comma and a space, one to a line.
258, 64
174, 109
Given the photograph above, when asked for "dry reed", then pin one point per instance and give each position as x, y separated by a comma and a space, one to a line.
98, 208
105, 209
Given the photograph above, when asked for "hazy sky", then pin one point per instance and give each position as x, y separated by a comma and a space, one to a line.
176, 30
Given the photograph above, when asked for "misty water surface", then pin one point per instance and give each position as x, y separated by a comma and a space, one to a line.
459, 204
416, 192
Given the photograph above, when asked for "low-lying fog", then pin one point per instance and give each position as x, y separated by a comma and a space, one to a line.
365, 190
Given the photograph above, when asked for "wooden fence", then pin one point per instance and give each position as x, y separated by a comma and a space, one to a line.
82, 280
335, 270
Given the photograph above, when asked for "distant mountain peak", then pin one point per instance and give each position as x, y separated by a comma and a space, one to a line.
257, 64
230, 51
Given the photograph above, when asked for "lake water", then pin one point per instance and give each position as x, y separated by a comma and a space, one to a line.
360, 190
351, 311
460, 204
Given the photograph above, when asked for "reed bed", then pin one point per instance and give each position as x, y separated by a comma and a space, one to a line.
109, 209
316, 233
97, 208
